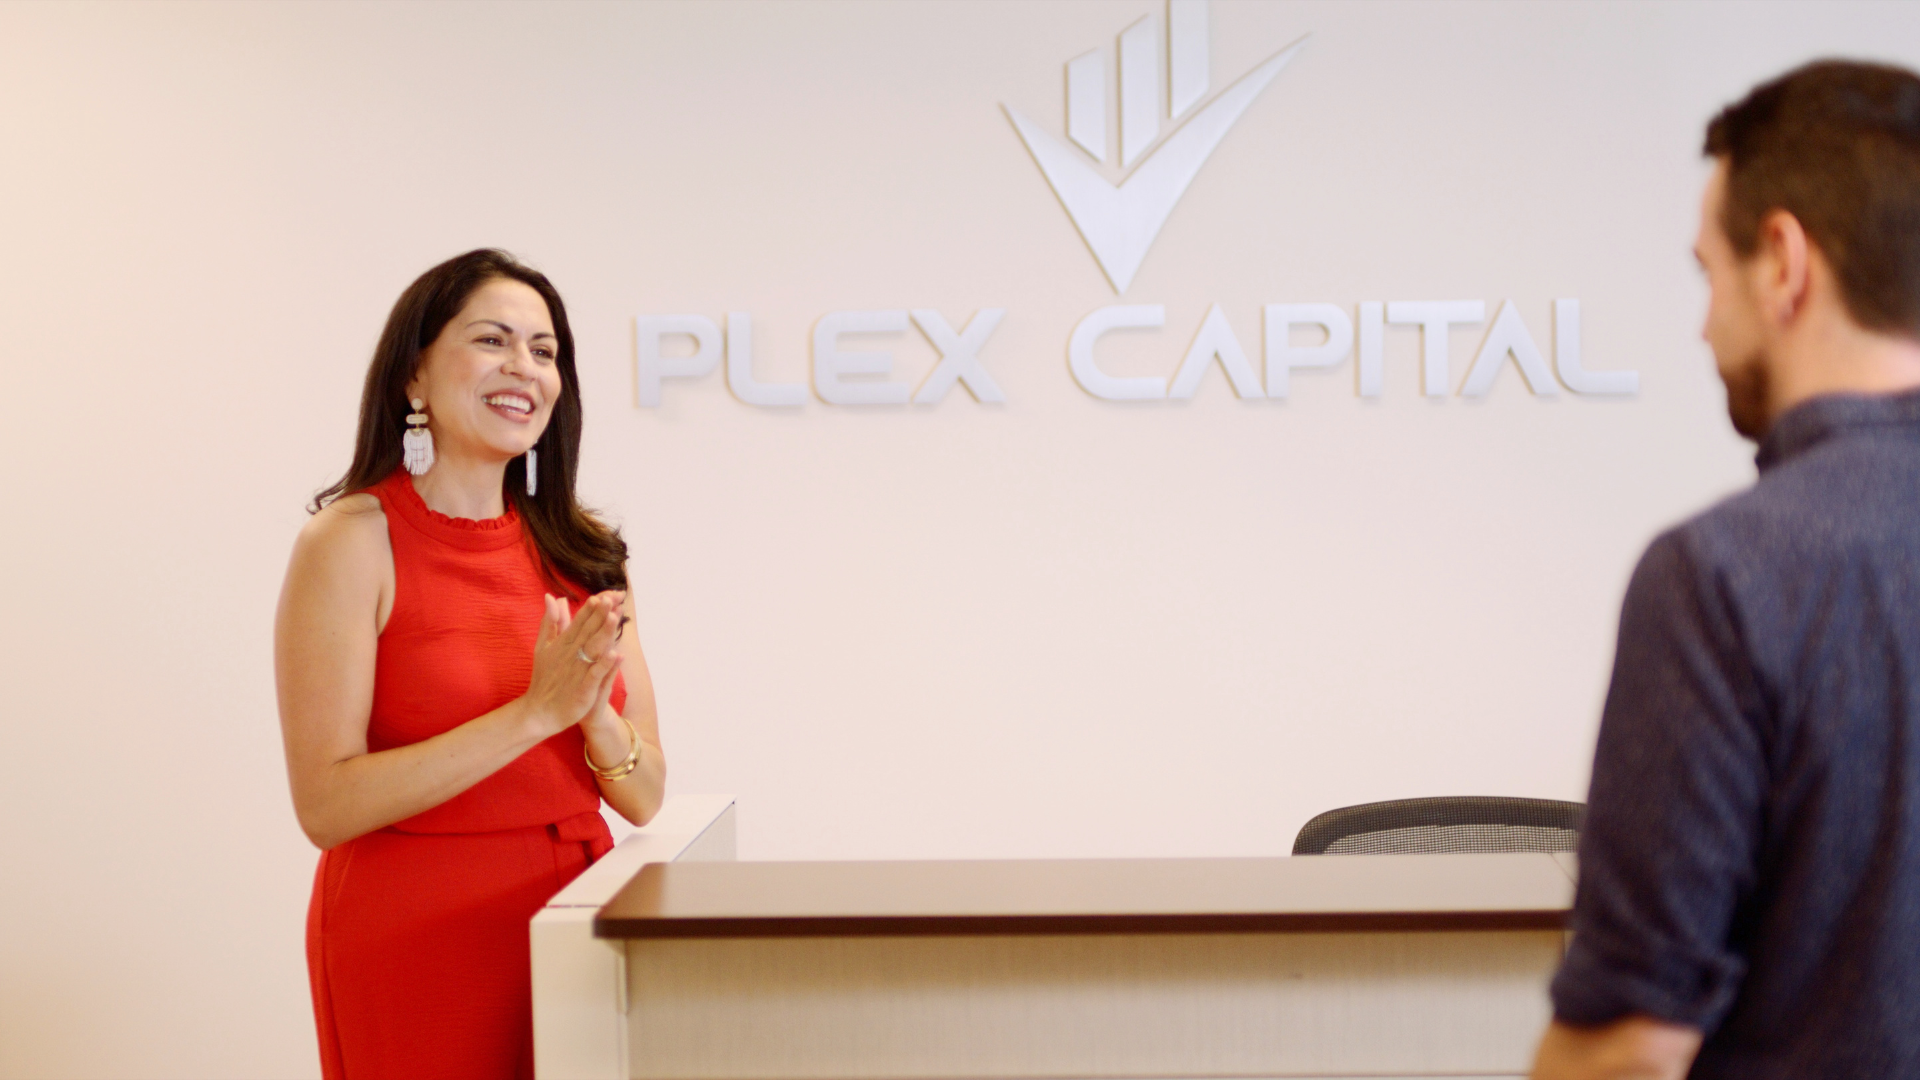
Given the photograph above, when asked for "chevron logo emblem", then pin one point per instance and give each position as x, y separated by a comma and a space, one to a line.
1119, 221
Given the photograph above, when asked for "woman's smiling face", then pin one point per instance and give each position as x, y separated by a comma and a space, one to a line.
490, 379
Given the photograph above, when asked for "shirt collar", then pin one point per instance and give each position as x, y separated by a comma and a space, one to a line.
1813, 422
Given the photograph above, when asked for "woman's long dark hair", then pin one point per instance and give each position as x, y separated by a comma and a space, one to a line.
575, 548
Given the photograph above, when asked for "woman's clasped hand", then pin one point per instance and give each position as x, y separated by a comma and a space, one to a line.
575, 660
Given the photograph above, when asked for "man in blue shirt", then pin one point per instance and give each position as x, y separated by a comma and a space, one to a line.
1749, 898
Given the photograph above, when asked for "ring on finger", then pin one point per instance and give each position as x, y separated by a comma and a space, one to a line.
582, 654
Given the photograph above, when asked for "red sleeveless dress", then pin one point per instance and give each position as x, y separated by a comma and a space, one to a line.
417, 933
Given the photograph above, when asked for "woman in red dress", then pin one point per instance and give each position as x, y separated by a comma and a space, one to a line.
456, 692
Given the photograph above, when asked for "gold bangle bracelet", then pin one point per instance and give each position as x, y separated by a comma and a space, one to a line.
621, 770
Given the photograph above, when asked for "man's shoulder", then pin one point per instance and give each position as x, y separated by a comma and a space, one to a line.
1835, 503
1736, 528
1737, 522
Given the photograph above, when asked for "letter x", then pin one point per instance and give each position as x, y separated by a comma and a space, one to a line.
959, 356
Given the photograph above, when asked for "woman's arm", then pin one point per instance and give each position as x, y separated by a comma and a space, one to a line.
326, 635
637, 796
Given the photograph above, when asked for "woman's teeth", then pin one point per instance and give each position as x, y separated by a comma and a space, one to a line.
511, 402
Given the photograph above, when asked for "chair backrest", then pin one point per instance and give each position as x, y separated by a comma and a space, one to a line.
1459, 823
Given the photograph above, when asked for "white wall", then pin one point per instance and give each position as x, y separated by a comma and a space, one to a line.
1058, 627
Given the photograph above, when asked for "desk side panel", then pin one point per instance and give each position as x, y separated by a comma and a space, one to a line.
1159, 1005
579, 981
579, 1014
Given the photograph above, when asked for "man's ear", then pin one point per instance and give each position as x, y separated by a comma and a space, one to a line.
1783, 267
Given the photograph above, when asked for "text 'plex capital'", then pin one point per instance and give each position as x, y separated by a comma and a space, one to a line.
844, 375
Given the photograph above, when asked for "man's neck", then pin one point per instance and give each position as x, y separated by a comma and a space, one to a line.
1839, 357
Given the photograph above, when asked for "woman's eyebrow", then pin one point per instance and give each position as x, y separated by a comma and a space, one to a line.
510, 330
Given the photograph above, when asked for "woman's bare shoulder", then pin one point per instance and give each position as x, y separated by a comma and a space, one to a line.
348, 532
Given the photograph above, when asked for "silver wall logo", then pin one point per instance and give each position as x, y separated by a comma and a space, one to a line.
1120, 221
1163, 83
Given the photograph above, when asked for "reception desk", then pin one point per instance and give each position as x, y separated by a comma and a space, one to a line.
1348, 966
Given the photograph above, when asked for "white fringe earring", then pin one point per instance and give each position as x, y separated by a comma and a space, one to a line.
533, 472
418, 441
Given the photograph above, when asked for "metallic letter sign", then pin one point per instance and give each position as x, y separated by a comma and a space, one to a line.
1163, 80
1120, 222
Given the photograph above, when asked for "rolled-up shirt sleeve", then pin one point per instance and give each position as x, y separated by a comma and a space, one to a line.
1668, 848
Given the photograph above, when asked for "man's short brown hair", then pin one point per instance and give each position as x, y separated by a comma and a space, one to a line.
1837, 145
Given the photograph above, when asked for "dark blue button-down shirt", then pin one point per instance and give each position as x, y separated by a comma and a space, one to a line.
1750, 862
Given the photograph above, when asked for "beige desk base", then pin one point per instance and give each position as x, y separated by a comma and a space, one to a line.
579, 981
1352, 1004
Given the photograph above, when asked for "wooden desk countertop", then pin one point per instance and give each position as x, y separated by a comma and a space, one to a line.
1091, 896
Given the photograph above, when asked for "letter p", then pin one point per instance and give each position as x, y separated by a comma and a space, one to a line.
650, 367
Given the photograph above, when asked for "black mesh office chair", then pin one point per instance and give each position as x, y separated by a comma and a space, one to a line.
1462, 823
